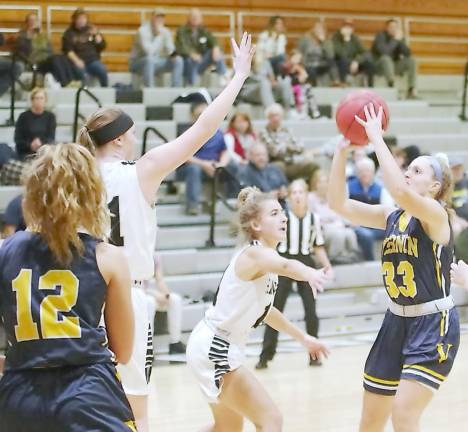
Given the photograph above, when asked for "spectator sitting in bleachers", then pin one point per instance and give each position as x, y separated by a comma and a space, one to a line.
34, 45
83, 44
199, 48
304, 99
239, 137
13, 219
153, 52
258, 172
340, 239
351, 56
35, 126
366, 189
283, 148
393, 56
6, 65
160, 298
263, 87
271, 44
318, 55
202, 166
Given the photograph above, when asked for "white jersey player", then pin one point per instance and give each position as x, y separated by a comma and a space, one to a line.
215, 352
131, 187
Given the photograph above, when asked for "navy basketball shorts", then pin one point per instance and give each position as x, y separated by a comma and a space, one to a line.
86, 398
421, 349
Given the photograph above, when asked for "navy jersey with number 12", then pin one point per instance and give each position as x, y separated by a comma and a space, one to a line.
51, 313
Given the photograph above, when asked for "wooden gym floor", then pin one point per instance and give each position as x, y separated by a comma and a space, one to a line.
326, 398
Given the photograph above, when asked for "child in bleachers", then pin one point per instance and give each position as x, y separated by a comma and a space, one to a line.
304, 99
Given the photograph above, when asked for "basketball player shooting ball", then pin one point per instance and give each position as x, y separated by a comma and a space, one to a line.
419, 338
216, 348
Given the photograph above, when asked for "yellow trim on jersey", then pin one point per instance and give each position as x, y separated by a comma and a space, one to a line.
442, 323
131, 425
437, 264
425, 369
403, 221
381, 381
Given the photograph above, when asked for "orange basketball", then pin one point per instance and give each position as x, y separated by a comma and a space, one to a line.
353, 104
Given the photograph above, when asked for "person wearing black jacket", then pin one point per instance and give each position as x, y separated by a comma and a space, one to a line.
35, 126
83, 43
393, 56
34, 46
5, 70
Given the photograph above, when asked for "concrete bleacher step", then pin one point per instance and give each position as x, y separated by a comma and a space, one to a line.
164, 96
65, 112
405, 109
190, 261
192, 237
339, 313
196, 284
166, 127
67, 95
324, 126
174, 214
337, 307
324, 95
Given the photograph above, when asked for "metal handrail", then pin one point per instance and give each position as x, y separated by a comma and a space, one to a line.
463, 101
145, 137
77, 107
15, 56
215, 195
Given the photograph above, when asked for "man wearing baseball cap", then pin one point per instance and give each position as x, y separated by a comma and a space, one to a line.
153, 52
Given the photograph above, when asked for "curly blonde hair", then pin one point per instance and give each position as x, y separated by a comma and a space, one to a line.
64, 193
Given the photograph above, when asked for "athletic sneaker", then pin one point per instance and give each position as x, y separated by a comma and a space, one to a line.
177, 348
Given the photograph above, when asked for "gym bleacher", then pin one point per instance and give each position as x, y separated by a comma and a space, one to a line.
356, 301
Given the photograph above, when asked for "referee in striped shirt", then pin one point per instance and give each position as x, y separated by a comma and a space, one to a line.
304, 238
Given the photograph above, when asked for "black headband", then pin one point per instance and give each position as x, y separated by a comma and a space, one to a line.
112, 130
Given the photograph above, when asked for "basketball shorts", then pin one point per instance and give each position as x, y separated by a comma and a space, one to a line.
136, 373
421, 349
210, 357
75, 399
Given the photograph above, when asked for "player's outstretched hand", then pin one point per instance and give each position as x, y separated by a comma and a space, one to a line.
317, 349
318, 278
243, 55
459, 274
373, 122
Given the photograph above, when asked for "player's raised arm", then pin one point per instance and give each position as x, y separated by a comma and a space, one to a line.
374, 216
259, 260
160, 161
404, 187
